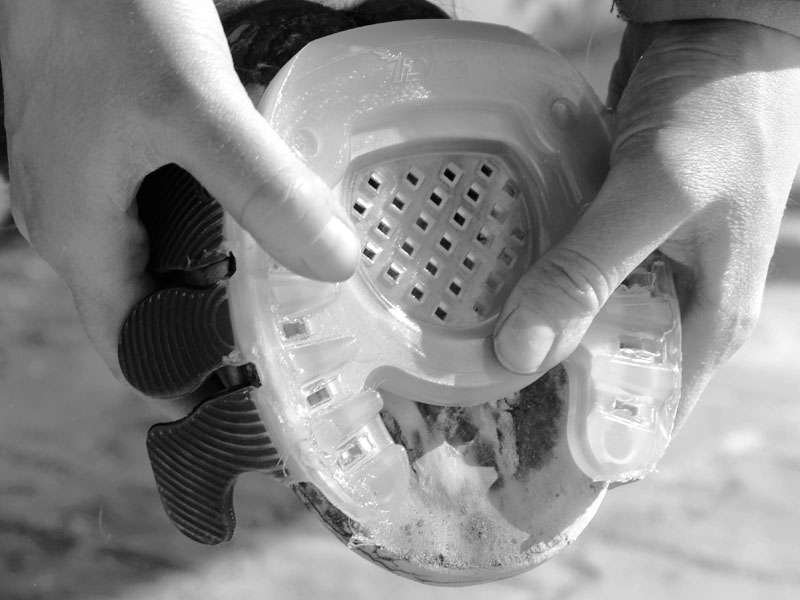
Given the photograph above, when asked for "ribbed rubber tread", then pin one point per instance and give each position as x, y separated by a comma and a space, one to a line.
184, 223
196, 462
174, 339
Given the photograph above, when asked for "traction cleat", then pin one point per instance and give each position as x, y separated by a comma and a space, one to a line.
196, 462
185, 228
174, 339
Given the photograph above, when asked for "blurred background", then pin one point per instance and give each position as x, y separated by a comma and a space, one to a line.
80, 517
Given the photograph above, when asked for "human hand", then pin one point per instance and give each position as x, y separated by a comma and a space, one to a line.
99, 94
706, 144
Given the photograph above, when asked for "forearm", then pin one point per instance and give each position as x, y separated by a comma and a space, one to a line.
783, 15
227, 7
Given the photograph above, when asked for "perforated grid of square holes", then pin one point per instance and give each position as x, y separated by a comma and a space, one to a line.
445, 236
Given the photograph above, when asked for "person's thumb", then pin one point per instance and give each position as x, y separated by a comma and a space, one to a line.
554, 303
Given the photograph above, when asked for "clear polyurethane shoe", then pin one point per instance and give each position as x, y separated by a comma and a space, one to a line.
461, 152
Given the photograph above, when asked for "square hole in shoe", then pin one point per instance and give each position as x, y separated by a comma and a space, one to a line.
432, 267
460, 218
469, 262
398, 204
474, 193
451, 174
441, 312
414, 178
384, 228
408, 248
417, 293
374, 182
438, 198
456, 287
446, 243
423, 222
394, 272
370, 252
486, 170
360, 208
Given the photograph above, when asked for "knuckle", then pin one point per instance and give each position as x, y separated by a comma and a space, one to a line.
177, 98
729, 325
164, 94
575, 279
268, 201
737, 326
272, 208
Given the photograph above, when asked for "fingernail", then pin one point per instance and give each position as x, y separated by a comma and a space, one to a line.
615, 484
522, 344
334, 255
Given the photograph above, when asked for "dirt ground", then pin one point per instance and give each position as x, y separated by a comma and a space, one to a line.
80, 518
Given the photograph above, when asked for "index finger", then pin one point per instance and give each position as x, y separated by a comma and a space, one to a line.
228, 146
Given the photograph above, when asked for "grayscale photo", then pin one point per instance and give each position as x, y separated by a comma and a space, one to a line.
423, 299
